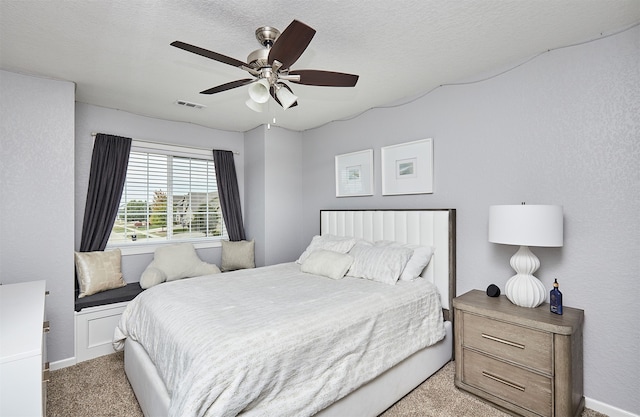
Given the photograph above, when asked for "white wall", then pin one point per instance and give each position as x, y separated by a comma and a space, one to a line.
561, 129
36, 207
94, 119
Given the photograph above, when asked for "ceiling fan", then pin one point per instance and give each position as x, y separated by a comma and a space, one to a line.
271, 66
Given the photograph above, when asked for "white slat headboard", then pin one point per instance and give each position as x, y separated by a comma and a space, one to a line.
432, 227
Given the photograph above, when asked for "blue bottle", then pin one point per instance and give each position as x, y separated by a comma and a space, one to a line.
555, 299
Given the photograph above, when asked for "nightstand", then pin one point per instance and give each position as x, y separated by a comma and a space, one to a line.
526, 361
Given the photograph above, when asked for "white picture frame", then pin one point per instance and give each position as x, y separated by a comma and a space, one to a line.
407, 168
354, 174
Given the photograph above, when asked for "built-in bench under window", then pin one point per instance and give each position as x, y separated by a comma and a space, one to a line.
116, 295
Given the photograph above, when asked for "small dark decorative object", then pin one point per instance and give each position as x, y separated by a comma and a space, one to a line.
555, 299
493, 290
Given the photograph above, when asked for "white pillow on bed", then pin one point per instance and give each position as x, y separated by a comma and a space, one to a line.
174, 262
339, 244
327, 263
417, 263
382, 263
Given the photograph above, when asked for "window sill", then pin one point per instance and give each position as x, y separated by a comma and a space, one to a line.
143, 248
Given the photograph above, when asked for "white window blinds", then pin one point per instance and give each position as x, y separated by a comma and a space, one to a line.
170, 193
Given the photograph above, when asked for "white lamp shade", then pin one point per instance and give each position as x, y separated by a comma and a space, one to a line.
526, 225
259, 91
258, 107
286, 97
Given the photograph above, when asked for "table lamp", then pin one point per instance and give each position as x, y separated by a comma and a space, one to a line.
526, 225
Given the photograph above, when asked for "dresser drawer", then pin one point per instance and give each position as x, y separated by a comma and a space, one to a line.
526, 389
528, 347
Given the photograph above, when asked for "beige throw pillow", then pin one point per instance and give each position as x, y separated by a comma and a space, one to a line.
98, 271
238, 255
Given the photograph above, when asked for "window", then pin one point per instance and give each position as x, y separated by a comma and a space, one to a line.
170, 194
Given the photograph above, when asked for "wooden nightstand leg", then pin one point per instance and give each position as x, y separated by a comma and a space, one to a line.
568, 371
457, 336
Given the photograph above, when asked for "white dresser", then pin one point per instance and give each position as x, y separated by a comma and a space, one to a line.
22, 349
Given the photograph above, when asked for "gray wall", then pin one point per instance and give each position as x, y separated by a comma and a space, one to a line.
283, 191
274, 193
94, 119
255, 199
36, 207
46, 165
561, 129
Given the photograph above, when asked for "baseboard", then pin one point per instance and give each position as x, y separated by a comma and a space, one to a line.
607, 409
62, 364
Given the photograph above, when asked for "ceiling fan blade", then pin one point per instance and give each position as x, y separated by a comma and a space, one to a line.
209, 54
325, 78
291, 43
273, 94
228, 86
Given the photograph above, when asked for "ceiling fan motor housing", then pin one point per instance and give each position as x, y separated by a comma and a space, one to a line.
258, 58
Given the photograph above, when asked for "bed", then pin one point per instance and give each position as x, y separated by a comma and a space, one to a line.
368, 360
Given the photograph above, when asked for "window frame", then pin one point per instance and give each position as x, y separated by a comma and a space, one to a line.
176, 151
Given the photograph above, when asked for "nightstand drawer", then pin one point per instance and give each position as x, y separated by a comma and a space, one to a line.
510, 342
511, 383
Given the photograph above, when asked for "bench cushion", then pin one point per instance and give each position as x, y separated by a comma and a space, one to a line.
116, 295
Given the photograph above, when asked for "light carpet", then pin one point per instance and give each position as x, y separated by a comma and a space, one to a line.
99, 388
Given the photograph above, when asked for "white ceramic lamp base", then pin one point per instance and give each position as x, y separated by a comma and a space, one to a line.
524, 289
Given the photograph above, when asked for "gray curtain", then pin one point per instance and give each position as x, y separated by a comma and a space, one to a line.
106, 181
229, 193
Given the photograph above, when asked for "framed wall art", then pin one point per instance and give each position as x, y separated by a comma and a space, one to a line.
407, 168
354, 174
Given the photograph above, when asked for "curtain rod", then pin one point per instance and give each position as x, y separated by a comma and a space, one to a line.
160, 143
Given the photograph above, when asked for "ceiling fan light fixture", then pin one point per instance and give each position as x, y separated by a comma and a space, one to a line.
272, 64
259, 91
286, 97
257, 107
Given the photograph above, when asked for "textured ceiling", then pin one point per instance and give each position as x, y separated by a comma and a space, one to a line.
118, 54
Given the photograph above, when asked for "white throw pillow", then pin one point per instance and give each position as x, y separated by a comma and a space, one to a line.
152, 276
98, 271
418, 262
339, 244
238, 255
327, 263
172, 262
382, 263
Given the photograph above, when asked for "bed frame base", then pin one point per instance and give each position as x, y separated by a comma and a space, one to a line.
147, 384
371, 399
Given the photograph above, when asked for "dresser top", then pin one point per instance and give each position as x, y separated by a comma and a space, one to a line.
500, 308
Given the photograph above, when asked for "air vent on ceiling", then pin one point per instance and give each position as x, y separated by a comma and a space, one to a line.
190, 104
